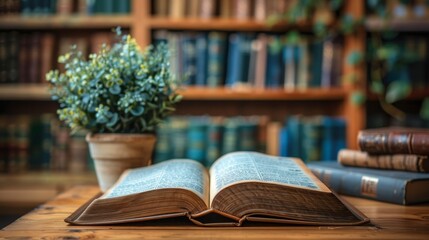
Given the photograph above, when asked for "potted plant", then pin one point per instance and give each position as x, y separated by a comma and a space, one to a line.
119, 95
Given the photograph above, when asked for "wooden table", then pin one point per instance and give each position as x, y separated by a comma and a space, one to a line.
389, 221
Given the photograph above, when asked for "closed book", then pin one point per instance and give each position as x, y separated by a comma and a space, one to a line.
188, 57
12, 59
294, 126
201, 59
207, 9
214, 140
161, 8
162, 147
303, 62
3, 57
404, 162
327, 63
334, 137
273, 138
234, 60
260, 47
289, 82
197, 139
230, 135
398, 187
216, 59
178, 140
394, 140
312, 135
176, 9
122, 6
47, 55
274, 63
248, 135
316, 64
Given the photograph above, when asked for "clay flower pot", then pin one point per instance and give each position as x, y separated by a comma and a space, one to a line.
114, 153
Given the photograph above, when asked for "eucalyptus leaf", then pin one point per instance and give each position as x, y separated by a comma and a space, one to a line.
109, 92
397, 90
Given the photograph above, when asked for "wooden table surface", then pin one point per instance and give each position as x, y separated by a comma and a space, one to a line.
389, 221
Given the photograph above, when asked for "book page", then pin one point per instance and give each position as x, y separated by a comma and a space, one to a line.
179, 173
251, 166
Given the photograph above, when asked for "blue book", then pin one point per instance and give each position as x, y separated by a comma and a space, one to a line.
316, 63
122, 6
384, 185
334, 137
234, 60
294, 126
283, 142
188, 57
274, 63
312, 132
216, 59
201, 59
197, 138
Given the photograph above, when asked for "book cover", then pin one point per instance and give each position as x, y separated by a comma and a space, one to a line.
216, 59
274, 64
214, 140
394, 140
398, 187
197, 139
403, 162
201, 59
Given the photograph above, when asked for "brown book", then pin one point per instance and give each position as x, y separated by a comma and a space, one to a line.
239, 187
47, 55
404, 162
394, 140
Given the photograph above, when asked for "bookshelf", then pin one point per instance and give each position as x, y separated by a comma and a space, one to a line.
276, 103
410, 30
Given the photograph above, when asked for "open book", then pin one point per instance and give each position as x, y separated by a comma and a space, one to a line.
241, 186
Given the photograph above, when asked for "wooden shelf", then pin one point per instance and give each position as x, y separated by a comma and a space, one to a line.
64, 22
404, 25
220, 24
40, 92
201, 94
24, 92
416, 94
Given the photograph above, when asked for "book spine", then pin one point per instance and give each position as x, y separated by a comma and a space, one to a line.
196, 138
361, 185
162, 148
404, 162
214, 141
201, 60
274, 63
394, 142
216, 59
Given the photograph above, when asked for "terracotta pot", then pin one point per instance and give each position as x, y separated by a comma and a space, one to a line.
114, 153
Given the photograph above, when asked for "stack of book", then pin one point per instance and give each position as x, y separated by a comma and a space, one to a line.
392, 166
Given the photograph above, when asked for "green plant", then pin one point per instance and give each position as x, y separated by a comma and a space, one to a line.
120, 89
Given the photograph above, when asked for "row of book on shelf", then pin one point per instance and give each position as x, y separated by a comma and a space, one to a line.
246, 59
43, 143
258, 10
205, 138
64, 7
392, 165
25, 57
414, 50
